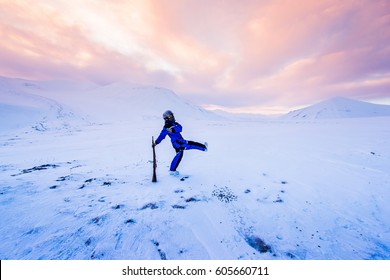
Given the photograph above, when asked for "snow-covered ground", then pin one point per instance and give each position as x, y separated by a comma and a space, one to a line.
75, 183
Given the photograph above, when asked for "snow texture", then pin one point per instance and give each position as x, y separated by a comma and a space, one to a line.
76, 167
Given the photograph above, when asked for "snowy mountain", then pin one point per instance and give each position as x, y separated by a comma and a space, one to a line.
75, 180
34, 103
340, 107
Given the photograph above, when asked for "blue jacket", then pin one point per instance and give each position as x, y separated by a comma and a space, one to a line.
174, 135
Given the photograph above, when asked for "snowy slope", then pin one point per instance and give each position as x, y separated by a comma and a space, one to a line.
119, 101
272, 189
241, 116
17, 109
340, 107
24, 104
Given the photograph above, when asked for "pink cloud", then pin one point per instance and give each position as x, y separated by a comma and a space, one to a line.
228, 53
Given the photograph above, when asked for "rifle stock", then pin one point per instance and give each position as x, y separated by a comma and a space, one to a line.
154, 178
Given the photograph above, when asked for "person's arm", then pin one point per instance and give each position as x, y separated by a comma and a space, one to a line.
161, 137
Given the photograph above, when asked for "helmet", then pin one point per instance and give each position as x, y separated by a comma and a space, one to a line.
168, 116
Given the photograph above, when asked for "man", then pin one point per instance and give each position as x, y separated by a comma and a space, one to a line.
173, 130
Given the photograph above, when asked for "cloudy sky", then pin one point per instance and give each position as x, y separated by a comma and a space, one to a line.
264, 56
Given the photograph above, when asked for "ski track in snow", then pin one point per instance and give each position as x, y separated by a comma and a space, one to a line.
77, 189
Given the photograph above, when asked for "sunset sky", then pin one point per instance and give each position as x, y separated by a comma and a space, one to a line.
265, 56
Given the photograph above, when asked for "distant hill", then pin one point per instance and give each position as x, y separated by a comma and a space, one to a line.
25, 103
340, 107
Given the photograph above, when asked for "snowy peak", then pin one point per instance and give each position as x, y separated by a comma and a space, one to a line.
340, 107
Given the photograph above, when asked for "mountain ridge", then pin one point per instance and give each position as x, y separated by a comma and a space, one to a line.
339, 107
